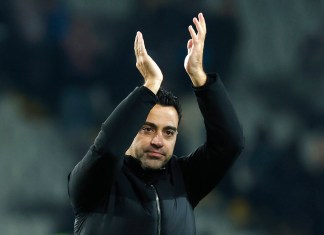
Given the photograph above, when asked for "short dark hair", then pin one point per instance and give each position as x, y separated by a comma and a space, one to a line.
166, 98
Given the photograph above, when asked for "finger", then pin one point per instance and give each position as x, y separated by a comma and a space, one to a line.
189, 44
198, 26
202, 21
135, 43
192, 33
141, 44
140, 52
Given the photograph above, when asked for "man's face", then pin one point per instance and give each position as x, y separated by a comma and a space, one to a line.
154, 143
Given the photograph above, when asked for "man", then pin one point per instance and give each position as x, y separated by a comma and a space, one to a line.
124, 187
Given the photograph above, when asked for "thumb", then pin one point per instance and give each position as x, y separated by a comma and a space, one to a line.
189, 44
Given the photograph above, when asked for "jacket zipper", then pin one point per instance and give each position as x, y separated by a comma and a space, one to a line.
157, 200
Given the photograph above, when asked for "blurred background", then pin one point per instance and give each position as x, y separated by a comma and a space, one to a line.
64, 65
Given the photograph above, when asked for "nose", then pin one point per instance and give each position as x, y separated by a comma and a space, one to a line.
157, 140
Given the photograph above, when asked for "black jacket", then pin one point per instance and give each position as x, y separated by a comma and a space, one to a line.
112, 195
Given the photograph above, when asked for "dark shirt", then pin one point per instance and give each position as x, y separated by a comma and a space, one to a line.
112, 194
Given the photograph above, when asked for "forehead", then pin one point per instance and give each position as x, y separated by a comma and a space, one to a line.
163, 116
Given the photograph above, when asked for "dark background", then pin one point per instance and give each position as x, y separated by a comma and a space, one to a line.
64, 65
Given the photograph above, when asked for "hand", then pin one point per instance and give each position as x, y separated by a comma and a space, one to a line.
194, 60
146, 65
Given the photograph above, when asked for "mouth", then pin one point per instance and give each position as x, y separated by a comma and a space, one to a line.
155, 154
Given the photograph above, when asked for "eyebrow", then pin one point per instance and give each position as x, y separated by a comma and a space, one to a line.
164, 128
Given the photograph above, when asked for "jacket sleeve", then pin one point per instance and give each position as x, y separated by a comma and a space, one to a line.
90, 180
205, 167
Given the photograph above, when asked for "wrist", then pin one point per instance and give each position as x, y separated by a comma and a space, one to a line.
154, 86
198, 78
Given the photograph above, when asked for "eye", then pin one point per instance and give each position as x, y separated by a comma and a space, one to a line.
147, 129
169, 133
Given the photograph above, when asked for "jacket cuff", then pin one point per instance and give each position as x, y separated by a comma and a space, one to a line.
211, 79
147, 95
